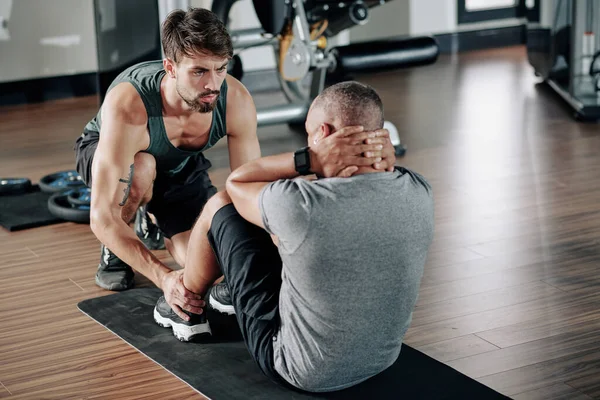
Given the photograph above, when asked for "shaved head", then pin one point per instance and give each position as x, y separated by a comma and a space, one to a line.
348, 104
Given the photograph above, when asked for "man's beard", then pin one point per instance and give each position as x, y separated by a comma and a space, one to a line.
196, 104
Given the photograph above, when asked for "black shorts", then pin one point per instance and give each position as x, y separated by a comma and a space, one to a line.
177, 200
251, 267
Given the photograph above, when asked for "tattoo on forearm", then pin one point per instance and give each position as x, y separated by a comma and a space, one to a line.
128, 188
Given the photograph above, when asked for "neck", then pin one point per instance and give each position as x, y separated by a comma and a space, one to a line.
173, 104
360, 171
366, 170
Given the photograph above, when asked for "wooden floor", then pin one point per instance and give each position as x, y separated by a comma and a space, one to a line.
511, 291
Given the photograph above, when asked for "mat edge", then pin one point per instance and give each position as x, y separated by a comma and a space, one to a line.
138, 350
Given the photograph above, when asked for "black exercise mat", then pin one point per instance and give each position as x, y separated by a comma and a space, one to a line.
26, 210
223, 368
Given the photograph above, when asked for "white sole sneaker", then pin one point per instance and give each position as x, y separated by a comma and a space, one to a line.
185, 333
223, 308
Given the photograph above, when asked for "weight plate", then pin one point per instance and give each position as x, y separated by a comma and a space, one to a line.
80, 196
59, 206
14, 185
59, 181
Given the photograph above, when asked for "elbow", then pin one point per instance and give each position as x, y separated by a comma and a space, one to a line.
94, 222
98, 223
233, 188
232, 182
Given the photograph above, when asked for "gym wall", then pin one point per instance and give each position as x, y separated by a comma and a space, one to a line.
429, 17
65, 48
392, 19
43, 39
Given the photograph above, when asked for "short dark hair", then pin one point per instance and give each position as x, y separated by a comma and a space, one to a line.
195, 31
354, 103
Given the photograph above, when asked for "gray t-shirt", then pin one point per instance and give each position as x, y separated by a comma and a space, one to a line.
353, 251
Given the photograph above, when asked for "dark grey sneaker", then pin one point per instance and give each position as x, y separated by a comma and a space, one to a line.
113, 274
186, 331
148, 232
219, 298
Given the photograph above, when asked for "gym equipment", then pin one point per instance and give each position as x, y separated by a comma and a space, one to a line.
59, 206
80, 196
60, 181
395, 138
234, 67
595, 70
563, 47
384, 54
14, 185
26, 210
299, 31
233, 374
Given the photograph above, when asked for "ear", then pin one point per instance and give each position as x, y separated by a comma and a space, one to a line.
169, 66
324, 131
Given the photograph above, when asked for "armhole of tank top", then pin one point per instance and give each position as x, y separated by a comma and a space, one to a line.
223, 101
225, 109
215, 136
149, 110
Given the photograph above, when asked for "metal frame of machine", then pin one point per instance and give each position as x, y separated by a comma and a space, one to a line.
563, 49
305, 57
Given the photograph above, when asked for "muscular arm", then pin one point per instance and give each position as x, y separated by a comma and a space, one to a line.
123, 135
245, 183
331, 157
241, 125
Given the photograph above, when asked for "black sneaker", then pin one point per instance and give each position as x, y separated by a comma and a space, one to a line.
113, 274
148, 232
219, 298
186, 331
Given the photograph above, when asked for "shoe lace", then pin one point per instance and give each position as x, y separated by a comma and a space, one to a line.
222, 294
110, 260
143, 223
148, 228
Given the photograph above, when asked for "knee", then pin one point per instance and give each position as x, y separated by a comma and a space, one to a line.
177, 256
214, 204
145, 166
144, 173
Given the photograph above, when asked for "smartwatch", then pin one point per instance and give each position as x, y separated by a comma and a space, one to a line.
302, 161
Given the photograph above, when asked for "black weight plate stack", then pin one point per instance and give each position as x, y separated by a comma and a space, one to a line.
14, 185
60, 181
80, 196
59, 206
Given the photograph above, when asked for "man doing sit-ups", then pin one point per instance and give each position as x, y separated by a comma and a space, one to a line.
327, 307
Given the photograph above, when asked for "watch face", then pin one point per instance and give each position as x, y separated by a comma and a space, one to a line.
302, 159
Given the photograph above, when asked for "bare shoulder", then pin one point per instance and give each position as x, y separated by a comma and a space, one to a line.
241, 111
236, 88
123, 104
124, 121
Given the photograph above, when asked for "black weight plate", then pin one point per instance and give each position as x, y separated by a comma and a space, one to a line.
59, 206
14, 185
80, 196
59, 181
